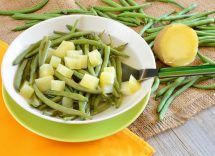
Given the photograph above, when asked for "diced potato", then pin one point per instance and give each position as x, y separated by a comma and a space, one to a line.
176, 45
134, 85
74, 53
55, 61
89, 81
125, 88
63, 48
26, 90
106, 79
110, 69
64, 71
49, 55
79, 62
67, 102
57, 85
95, 58
44, 83
46, 70
107, 89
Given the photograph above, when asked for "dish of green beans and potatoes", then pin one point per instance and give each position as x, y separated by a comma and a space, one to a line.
72, 74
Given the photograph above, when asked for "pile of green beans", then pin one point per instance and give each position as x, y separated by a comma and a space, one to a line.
84, 102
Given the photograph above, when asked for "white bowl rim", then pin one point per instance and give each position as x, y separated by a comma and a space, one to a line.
3, 71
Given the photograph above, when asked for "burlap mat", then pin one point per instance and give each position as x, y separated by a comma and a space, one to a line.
184, 107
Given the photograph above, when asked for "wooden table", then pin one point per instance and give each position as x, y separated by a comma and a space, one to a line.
196, 137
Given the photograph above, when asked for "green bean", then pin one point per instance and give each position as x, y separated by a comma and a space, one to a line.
207, 41
56, 106
145, 27
106, 58
173, 2
199, 15
80, 6
207, 45
43, 50
102, 14
111, 3
116, 93
71, 11
119, 71
60, 32
22, 55
89, 66
205, 28
176, 83
94, 11
83, 71
188, 9
69, 118
56, 99
35, 102
26, 74
98, 44
34, 65
170, 99
28, 10
151, 44
202, 33
19, 74
140, 15
206, 37
205, 59
74, 26
155, 85
42, 107
50, 112
73, 96
25, 26
121, 47
151, 37
100, 108
32, 21
20, 16
206, 87
75, 85
111, 9
97, 70
78, 75
209, 31
124, 3
177, 17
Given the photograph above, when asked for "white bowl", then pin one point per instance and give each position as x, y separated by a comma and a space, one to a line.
140, 54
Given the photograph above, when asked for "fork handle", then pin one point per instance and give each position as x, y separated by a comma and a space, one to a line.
186, 71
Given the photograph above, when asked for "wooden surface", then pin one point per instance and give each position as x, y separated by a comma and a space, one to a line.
195, 138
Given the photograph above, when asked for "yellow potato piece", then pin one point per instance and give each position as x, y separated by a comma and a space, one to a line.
176, 45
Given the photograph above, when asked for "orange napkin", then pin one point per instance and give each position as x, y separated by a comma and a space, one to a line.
18, 141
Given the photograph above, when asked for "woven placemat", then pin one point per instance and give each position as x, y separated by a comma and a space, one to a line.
183, 107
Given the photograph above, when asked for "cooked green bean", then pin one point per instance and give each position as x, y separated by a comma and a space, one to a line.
60, 32
106, 58
25, 26
26, 74
119, 71
73, 96
20, 16
121, 47
56, 99
206, 27
167, 94
155, 85
173, 2
206, 87
205, 59
74, 27
34, 65
202, 33
188, 9
35, 102
75, 85
78, 74
19, 74
207, 41
22, 55
100, 108
205, 37
151, 37
145, 27
43, 50
99, 44
94, 11
56, 106
111, 9
170, 99
165, 80
28, 10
